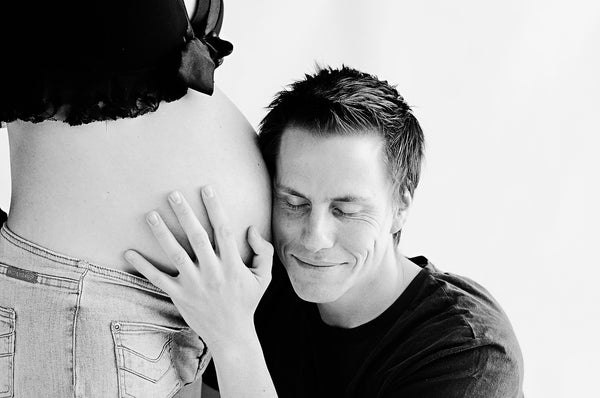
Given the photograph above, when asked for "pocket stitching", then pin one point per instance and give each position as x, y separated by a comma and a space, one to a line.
9, 315
140, 355
120, 329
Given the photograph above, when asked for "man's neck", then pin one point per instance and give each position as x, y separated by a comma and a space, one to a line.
366, 302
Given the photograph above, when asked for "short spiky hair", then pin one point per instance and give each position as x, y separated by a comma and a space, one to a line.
346, 101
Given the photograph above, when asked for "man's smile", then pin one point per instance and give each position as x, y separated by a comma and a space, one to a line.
314, 263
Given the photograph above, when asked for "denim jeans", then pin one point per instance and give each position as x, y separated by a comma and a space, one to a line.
69, 328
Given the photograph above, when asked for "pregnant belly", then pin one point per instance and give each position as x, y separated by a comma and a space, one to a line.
83, 191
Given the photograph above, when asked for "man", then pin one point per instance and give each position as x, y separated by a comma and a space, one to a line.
354, 317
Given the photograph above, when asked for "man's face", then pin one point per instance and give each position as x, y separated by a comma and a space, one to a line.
333, 214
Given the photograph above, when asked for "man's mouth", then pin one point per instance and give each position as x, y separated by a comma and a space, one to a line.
314, 263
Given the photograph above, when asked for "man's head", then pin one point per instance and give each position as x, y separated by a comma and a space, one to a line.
345, 152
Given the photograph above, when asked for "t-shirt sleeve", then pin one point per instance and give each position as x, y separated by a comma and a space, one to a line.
485, 371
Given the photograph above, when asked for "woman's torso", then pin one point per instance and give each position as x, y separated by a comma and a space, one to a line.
83, 190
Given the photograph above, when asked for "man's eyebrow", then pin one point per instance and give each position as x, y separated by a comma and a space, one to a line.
344, 198
288, 190
350, 198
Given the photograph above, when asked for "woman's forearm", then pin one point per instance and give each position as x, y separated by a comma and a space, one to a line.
241, 368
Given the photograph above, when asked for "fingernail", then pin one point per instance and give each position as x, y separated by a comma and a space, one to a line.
175, 197
254, 232
152, 218
208, 191
129, 256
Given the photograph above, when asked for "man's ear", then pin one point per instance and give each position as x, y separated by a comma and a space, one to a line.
401, 207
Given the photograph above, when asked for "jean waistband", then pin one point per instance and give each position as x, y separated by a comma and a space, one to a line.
37, 250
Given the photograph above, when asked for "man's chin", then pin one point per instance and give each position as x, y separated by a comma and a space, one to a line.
313, 291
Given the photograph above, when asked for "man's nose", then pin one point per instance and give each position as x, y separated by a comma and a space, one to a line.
318, 233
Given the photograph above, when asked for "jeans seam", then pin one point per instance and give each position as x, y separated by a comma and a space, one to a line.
45, 279
12, 316
78, 264
113, 274
34, 249
74, 332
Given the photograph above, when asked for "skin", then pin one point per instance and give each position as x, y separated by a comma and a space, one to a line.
82, 190
334, 216
333, 221
218, 279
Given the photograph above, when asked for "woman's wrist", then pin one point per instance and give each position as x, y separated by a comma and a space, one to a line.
242, 369
242, 339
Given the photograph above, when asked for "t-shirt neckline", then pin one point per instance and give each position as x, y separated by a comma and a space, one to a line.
381, 322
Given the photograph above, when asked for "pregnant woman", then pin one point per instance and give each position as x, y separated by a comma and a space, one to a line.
109, 106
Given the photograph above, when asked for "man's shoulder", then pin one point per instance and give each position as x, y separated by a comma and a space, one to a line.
451, 328
446, 312
464, 302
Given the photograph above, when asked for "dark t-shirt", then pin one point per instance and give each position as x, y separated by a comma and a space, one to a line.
445, 336
3, 217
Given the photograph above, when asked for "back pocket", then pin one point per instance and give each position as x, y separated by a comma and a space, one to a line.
7, 351
156, 361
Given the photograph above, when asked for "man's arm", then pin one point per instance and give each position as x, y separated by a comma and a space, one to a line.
484, 371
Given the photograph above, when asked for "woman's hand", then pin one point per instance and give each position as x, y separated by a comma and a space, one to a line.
216, 295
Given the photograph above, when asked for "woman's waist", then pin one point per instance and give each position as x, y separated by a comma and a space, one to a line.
98, 221
27, 261
84, 190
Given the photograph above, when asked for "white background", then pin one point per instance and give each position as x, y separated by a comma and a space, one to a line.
508, 94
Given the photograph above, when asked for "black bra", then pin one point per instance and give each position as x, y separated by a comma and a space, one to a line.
103, 60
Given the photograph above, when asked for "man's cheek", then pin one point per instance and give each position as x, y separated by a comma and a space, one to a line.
288, 226
357, 238
283, 233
